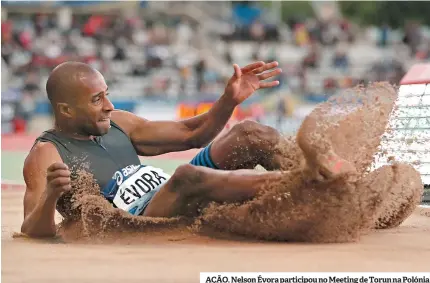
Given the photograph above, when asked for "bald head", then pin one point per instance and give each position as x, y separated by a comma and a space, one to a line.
79, 96
66, 80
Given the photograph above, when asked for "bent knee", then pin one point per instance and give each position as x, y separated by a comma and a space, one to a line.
185, 179
254, 133
245, 127
183, 170
182, 173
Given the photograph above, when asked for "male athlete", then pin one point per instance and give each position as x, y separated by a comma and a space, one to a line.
90, 134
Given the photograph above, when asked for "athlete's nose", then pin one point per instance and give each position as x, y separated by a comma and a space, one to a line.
108, 106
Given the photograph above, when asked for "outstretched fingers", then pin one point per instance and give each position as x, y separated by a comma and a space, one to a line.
270, 74
265, 67
268, 84
262, 70
253, 66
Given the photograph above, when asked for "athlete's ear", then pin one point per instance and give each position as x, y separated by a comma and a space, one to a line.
65, 109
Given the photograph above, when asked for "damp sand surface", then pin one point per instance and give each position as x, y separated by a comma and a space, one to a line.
340, 210
298, 207
344, 207
179, 256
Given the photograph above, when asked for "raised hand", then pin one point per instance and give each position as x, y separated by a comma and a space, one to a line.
247, 80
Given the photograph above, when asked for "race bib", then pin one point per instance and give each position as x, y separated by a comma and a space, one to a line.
129, 187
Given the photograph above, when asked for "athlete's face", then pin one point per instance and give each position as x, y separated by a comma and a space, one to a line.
93, 107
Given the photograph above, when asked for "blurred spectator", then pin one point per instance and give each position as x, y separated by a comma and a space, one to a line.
312, 58
412, 36
184, 33
160, 56
200, 69
384, 33
330, 86
32, 83
25, 108
257, 31
340, 58
423, 52
389, 70
301, 35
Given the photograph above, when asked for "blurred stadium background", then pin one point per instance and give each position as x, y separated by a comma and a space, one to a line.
171, 60
165, 60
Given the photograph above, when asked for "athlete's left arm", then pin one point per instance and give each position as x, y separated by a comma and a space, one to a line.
158, 137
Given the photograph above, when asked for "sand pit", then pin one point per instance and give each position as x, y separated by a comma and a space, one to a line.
302, 206
343, 209
179, 257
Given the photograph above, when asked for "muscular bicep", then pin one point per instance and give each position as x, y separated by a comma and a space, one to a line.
35, 169
154, 137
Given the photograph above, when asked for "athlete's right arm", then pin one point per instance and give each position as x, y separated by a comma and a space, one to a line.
46, 178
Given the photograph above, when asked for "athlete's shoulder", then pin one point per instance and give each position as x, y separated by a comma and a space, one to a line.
120, 115
127, 121
40, 157
42, 149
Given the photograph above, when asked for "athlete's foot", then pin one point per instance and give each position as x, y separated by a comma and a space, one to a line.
329, 166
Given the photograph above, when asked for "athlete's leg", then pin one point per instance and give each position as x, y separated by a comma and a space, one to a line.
190, 186
247, 145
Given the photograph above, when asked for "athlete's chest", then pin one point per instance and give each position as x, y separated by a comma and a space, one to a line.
103, 157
